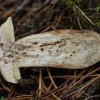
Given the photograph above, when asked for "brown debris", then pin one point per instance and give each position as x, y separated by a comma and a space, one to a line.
35, 16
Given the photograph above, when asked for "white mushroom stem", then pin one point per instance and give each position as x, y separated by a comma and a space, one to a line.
61, 49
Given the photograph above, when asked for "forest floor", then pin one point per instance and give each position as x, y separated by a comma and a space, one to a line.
37, 16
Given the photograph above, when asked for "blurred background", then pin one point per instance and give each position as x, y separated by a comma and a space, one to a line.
36, 16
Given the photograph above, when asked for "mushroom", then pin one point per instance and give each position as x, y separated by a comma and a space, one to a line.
73, 49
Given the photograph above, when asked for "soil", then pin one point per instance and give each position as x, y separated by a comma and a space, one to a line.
34, 17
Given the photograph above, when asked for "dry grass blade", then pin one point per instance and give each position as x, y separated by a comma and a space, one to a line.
51, 78
84, 77
83, 88
11, 92
4, 86
40, 83
74, 79
91, 97
48, 91
22, 97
